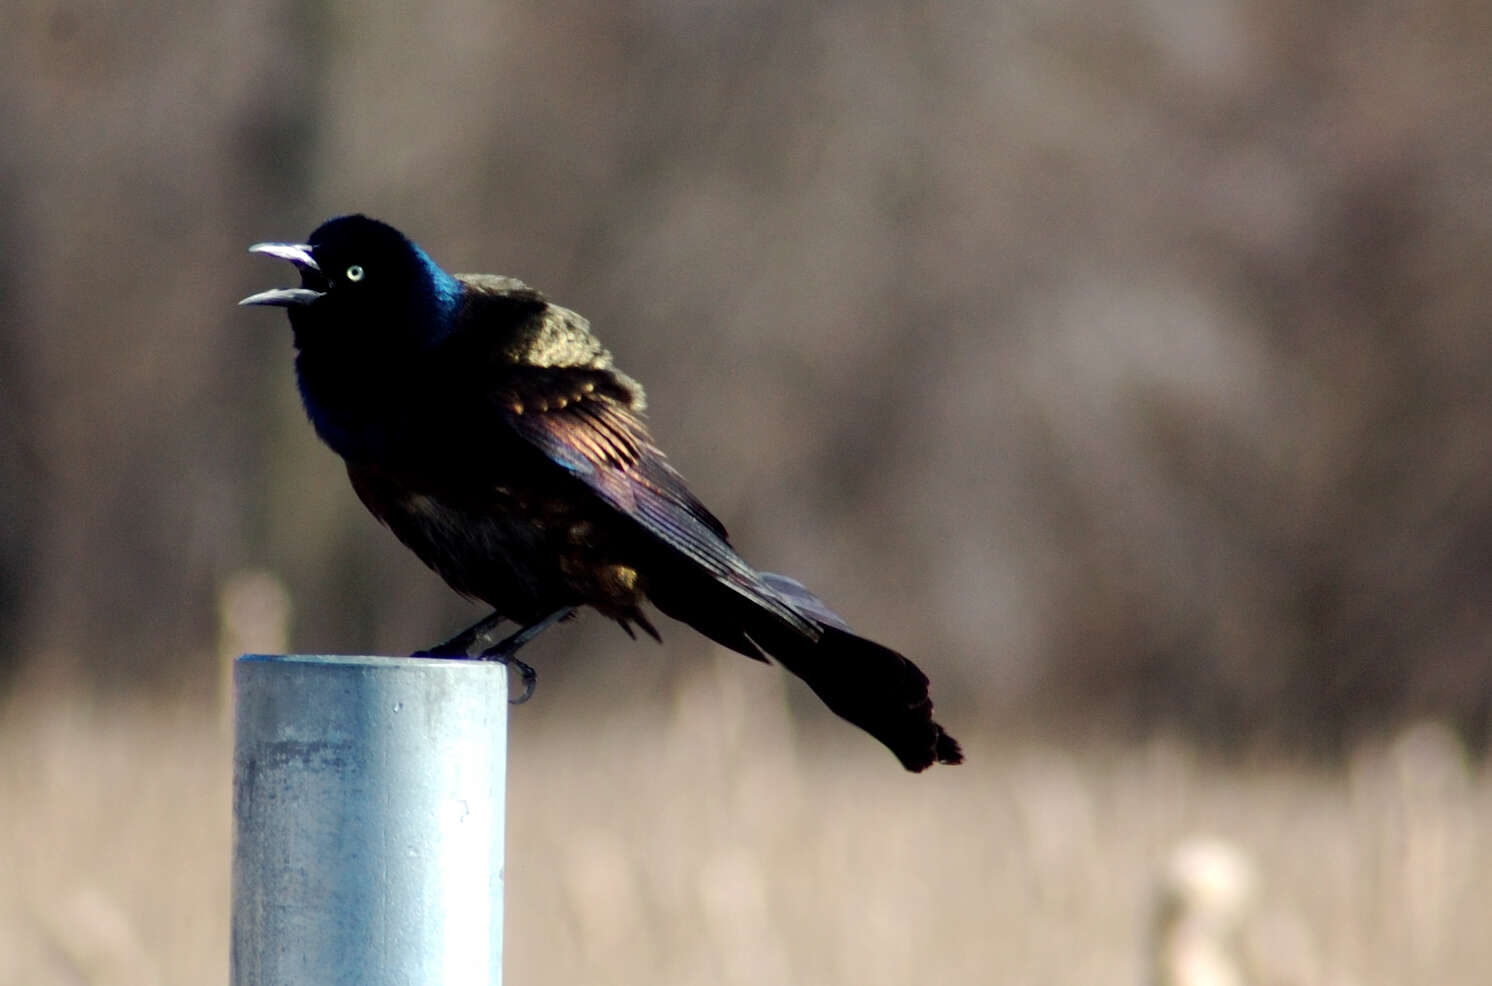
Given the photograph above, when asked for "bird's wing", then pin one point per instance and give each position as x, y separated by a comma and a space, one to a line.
580, 420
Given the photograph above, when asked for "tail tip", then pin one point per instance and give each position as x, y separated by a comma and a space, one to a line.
944, 749
948, 751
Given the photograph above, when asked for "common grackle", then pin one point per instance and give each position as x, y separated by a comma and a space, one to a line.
490, 431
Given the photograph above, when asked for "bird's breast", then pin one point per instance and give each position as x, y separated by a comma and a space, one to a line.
518, 543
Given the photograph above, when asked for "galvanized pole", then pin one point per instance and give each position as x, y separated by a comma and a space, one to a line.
368, 818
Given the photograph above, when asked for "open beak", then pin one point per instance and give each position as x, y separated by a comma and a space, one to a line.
298, 254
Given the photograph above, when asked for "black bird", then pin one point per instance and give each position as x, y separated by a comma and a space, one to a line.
490, 431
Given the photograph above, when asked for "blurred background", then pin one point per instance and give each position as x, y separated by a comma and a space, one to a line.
1125, 364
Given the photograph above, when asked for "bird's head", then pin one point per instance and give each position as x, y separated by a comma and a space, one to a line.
362, 283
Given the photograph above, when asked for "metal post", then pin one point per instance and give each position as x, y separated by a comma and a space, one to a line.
368, 817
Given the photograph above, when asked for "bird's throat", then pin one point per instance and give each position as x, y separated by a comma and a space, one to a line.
360, 408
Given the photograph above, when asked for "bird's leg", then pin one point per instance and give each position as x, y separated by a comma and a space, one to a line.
505, 650
460, 645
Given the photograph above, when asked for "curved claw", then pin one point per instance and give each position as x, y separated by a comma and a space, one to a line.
503, 654
530, 680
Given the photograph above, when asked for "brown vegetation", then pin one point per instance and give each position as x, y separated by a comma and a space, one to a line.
686, 840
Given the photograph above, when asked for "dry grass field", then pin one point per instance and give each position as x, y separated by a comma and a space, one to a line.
691, 842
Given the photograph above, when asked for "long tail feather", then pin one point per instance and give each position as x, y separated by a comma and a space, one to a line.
863, 682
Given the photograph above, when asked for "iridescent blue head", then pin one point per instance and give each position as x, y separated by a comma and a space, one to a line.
365, 284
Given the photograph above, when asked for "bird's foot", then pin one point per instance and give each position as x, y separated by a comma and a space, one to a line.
461, 644
505, 651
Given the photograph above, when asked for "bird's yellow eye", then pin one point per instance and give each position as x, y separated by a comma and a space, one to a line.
354, 273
